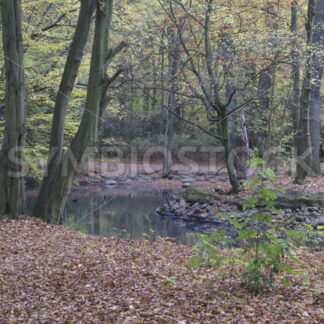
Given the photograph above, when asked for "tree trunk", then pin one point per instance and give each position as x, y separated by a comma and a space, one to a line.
155, 79
236, 123
51, 209
239, 144
304, 144
161, 63
62, 102
265, 84
315, 105
229, 157
295, 74
171, 101
12, 194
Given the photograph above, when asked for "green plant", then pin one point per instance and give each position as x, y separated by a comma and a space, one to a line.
264, 251
207, 249
304, 235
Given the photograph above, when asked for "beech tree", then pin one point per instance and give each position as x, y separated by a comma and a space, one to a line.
12, 193
304, 147
64, 166
317, 75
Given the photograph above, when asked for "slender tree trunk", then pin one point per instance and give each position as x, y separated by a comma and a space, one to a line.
295, 74
62, 102
155, 77
239, 143
265, 84
146, 99
229, 157
315, 105
161, 57
51, 210
171, 100
304, 146
237, 129
12, 194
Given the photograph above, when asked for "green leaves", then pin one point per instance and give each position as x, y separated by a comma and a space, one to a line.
195, 261
265, 252
255, 162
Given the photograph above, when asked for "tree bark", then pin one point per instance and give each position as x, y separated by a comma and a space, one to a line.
12, 194
171, 100
229, 157
315, 104
62, 102
295, 73
304, 144
236, 124
51, 209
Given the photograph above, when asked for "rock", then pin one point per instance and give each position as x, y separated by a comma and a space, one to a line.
201, 216
319, 221
219, 190
193, 195
200, 173
164, 207
300, 218
221, 179
182, 203
83, 183
185, 184
174, 206
121, 178
179, 212
200, 179
211, 211
107, 176
195, 206
110, 182
188, 179
295, 199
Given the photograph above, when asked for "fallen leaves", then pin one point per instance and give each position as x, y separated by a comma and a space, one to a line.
49, 274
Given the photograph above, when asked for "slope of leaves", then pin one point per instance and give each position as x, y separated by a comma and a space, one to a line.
50, 274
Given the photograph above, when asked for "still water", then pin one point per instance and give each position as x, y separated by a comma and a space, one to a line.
122, 212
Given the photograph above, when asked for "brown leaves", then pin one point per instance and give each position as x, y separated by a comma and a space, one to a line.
50, 274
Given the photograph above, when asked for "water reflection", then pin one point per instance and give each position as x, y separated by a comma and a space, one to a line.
127, 214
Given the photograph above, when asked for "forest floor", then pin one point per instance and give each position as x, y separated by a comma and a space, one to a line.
49, 274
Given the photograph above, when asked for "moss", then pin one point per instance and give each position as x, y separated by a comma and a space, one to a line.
195, 195
313, 200
286, 201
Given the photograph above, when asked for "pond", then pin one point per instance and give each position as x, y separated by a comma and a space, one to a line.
124, 212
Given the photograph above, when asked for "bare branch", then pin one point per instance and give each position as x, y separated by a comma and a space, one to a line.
301, 10
114, 51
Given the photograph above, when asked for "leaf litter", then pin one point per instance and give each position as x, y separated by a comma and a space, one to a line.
49, 274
